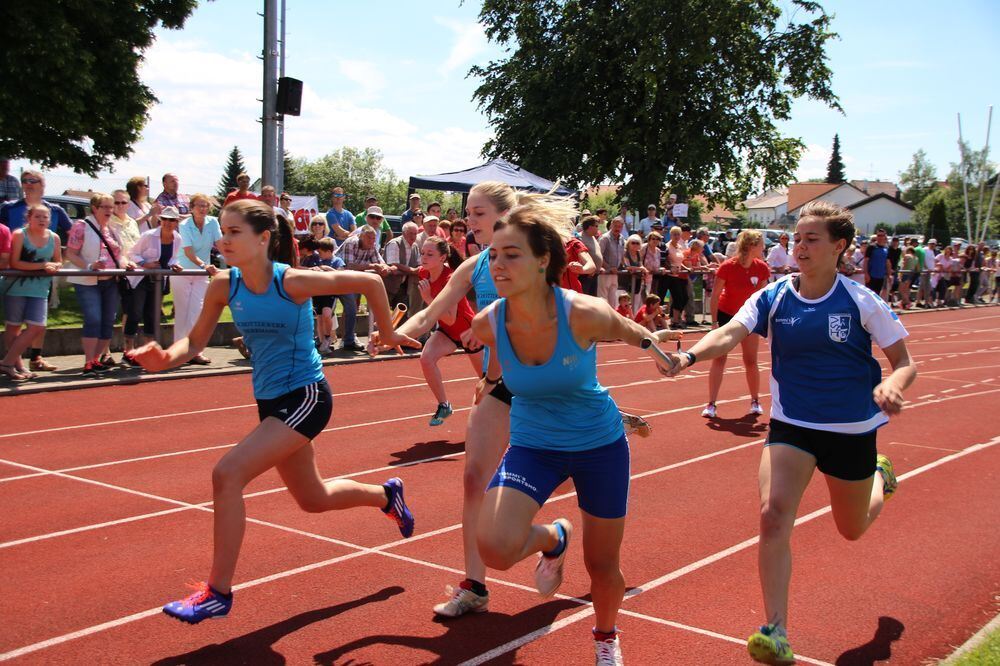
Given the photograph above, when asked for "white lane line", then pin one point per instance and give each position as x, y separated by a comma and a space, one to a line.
924, 446
184, 506
28, 649
947, 390
137, 419
711, 634
928, 395
695, 566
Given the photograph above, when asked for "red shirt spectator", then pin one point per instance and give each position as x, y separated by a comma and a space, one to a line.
740, 282
571, 280
236, 195
463, 312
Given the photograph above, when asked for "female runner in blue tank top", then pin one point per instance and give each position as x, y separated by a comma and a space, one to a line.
270, 303
828, 399
563, 423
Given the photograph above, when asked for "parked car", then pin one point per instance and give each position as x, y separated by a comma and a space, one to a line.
76, 207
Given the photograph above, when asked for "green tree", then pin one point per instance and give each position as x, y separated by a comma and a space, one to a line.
234, 167
700, 87
835, 167
359, 171
71, 93
291, 177
918, 179
937, 224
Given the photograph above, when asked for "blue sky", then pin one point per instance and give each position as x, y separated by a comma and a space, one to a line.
392, 75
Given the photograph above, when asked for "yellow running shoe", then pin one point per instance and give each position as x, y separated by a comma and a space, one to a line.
889, 483
770, 645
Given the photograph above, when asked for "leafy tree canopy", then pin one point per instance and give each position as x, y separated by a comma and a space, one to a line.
918, 179
650, 92
71, 93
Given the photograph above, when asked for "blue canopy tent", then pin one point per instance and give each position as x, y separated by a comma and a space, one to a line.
498, 169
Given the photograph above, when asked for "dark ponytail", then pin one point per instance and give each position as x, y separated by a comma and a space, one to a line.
260, 216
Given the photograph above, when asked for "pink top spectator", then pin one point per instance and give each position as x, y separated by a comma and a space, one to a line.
75, 242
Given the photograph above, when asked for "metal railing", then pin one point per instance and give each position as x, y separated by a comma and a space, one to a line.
120, 273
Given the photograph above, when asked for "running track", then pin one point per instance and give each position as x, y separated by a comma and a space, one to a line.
106, 502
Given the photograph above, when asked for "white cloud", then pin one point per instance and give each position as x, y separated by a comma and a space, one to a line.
209, 103
815, 159
470, 41
365, 74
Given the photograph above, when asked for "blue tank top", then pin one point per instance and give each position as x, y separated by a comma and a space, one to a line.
34, 286
558, 405
482, 281
279, 334
486, 291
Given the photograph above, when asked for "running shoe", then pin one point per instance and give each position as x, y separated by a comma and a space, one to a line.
93, 369
324, 347
103, 365
709, 411
203, 604
770, 645
608, 652
462, 601
636, 424
444, 410
396, 508
549, 570
889, 483
755, 408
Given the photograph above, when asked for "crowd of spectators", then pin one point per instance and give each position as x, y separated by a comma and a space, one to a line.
648, 268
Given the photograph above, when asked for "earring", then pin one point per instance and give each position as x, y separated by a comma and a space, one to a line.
541, 270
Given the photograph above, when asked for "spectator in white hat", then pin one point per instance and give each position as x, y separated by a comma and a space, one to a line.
414, 202
430, 229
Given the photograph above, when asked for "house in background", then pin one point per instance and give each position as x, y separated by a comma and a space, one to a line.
769, 209
879, 209
873, 187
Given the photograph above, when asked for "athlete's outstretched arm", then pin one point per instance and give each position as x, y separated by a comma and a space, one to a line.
593, 320
889, 394
716, 342
303, 284
154, 358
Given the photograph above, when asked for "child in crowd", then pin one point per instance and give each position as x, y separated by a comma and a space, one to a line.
326, 321
650, 315
625, 305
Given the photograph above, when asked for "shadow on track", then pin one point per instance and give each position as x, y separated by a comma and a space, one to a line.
463, 639
879, 648
745, 426
257, 647
423, 450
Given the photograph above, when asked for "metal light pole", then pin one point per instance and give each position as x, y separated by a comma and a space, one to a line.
279, 181
269, 118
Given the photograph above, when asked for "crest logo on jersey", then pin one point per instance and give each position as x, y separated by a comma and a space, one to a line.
840, 327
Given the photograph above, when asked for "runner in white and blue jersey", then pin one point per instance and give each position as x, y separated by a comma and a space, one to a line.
828, 399
563, 423
271, 305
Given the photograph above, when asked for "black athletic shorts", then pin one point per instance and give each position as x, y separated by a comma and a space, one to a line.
845, 457
320, 302
876, 284
724, 318
502, 393
305, 410
457, 343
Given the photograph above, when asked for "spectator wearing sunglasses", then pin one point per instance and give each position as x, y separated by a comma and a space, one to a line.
318, 228
361, 219
285, 204
10, 187
13, 213
339, 219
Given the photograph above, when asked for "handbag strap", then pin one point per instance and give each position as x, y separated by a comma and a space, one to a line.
104, 240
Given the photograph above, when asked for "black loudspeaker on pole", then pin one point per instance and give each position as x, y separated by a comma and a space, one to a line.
289, 100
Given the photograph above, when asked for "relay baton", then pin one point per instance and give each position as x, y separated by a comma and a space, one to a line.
655, 352
397, 314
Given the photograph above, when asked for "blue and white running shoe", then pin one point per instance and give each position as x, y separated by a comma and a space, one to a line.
203, 604
397, 509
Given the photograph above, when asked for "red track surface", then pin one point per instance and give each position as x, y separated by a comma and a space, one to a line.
103, 522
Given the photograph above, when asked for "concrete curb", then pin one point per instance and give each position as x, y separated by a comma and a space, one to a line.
975, 641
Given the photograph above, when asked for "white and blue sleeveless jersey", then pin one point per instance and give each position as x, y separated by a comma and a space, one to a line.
822, 368
279, 334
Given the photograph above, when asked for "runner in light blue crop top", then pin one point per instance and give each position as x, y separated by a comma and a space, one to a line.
558, 405
279, 334
482, 281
